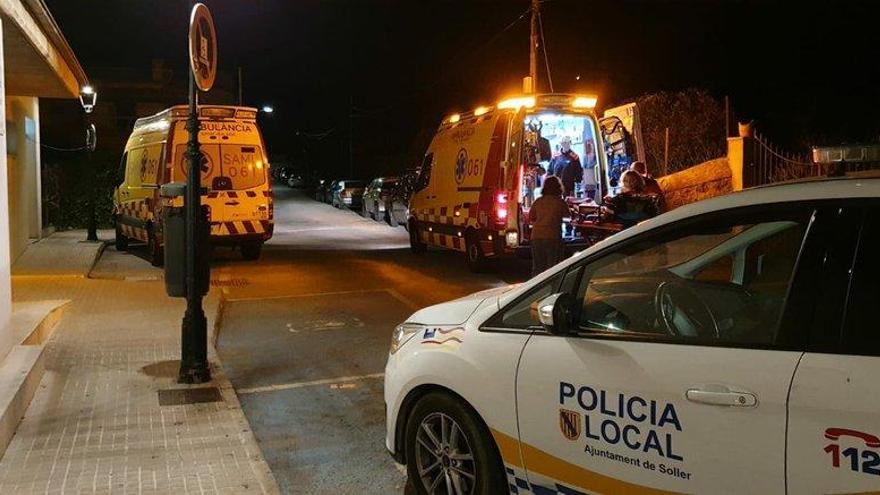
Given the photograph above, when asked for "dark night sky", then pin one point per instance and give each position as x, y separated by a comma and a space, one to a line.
805, 73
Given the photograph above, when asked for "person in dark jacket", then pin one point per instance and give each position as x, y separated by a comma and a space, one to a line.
546, 215
632, 205
567, 166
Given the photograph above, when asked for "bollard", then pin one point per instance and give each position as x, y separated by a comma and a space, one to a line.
174, 236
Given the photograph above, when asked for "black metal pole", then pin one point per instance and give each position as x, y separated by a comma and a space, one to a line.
194, 331
92, 221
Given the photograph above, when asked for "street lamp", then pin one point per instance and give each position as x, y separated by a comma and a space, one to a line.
88, 97
267, 109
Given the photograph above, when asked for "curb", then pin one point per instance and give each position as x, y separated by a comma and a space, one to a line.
266, 478
98, 255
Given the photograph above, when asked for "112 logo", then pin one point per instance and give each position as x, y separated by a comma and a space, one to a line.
863, 458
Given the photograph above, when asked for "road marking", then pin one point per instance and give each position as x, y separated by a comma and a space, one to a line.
405, 300
314, 294
312, 383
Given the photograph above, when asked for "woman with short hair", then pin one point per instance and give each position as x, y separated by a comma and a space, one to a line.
546, 215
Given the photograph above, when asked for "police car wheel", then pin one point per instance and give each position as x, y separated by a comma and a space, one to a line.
415, 244
450, 451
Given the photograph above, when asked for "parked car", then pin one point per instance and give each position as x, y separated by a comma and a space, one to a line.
397, 203
349, 194
295, 180
736, 331
375, 195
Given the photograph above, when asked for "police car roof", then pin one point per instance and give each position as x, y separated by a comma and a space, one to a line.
786, 192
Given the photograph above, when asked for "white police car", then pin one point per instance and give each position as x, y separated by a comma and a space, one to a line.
729, 346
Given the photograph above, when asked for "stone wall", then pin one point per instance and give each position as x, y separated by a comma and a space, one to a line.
706, 180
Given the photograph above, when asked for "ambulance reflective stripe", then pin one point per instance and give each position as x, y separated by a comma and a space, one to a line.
520, 457
133, 216
244, 227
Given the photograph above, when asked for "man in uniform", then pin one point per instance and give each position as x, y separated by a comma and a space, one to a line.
567, 166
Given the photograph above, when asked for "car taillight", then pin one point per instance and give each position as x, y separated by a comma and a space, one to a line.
501, 207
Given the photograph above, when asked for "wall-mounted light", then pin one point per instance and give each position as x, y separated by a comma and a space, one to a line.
88, 97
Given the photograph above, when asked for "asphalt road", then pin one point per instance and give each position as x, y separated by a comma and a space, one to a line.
305, 335
305, 332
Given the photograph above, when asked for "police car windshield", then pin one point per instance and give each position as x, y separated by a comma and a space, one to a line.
228, 166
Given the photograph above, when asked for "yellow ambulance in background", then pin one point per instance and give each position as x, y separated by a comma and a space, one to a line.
235, 175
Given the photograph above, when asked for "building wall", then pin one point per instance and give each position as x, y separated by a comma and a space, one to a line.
5, 259
23, 171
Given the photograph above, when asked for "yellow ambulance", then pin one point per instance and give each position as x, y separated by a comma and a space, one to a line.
235, 175
484, 168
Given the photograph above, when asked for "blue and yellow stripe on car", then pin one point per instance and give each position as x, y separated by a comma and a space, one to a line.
570, 478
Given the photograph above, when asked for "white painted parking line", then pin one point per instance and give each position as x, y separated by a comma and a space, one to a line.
312, 383
295, 296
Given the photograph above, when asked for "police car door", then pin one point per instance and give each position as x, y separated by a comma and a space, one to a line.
834, 424
677, 379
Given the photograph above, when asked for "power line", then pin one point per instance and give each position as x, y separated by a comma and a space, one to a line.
544, 48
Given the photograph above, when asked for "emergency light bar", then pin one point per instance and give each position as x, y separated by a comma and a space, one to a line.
246, 114
222, 113
584, 102
517, 103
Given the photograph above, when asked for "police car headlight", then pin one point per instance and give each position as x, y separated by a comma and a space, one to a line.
402, 334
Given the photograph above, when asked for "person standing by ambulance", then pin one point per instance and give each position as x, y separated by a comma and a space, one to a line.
546, 216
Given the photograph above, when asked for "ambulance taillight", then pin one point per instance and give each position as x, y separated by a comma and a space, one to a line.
501, 207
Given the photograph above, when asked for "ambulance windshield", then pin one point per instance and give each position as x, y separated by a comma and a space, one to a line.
558, 144
227, 166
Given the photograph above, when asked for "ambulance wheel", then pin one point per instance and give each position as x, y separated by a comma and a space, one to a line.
121, 241
476, 260
450, 448
251, 250
415, 244
157, 254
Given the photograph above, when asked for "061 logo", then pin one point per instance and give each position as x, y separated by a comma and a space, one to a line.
461, 165
862, 452
466, 166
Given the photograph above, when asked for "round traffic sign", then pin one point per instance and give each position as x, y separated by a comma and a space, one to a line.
202, 47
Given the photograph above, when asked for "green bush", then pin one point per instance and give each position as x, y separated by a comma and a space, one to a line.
696, 129
74, 183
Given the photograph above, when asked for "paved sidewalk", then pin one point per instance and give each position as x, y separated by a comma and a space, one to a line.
62, 254
95, 424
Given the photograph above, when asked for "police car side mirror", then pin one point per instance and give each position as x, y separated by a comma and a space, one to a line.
556, 313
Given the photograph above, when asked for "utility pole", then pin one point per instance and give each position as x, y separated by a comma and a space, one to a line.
240, 91
351, 136
533, 46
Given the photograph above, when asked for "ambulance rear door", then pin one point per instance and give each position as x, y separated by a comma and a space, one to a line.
622, 137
